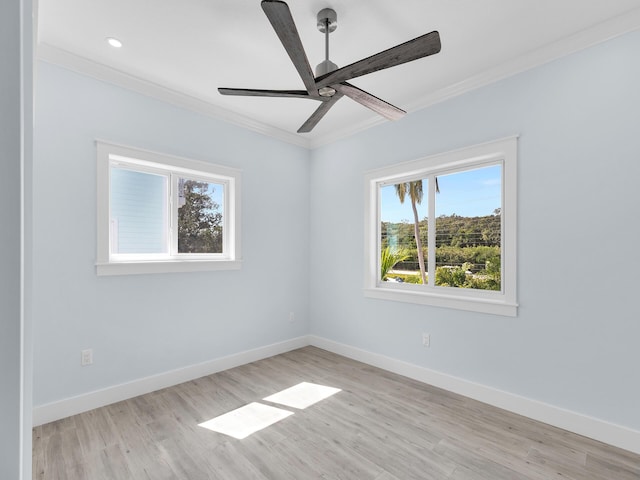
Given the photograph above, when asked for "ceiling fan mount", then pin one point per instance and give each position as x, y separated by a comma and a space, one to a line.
327, 20
330, 83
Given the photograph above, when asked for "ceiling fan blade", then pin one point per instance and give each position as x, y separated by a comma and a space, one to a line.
420, 47
320, 112
252, 92
372, 102
282, 22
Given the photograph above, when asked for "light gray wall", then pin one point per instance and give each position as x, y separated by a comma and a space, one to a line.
142, 325
10, 252
575, 341
15, 155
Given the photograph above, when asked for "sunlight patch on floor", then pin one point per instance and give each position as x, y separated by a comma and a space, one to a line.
244, 421
302, 395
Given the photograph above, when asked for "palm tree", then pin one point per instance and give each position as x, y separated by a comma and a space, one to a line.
388, 259
414, 191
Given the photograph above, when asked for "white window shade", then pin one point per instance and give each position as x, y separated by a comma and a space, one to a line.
139, 213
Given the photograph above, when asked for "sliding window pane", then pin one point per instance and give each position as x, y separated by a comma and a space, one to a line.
138, 205
403, 232
468, 229
200, 219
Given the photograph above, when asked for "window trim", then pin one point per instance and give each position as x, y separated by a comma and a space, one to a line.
167, 164
504, 302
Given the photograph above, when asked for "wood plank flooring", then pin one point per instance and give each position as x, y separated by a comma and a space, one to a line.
381, 426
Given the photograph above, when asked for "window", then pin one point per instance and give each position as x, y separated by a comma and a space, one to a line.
442, 230
159, 213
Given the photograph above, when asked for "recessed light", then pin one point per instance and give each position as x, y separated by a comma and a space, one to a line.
114, 42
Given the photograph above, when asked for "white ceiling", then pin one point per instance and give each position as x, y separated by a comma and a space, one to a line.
194, 46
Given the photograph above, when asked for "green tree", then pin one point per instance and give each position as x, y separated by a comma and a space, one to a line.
199, 220
388, 259
414, 191
452, 276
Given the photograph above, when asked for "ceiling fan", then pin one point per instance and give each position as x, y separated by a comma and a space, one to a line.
330, 82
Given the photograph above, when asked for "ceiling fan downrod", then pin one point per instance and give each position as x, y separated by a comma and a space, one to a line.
327, 23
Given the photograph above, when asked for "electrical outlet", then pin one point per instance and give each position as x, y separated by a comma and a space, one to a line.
86, 357
426, 340
292, 317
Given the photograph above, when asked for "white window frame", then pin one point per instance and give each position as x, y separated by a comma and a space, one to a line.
503, 152
109, 154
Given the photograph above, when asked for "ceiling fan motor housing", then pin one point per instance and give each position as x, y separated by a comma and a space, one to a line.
325, 67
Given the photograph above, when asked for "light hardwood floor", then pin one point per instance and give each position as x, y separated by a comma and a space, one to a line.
381, 426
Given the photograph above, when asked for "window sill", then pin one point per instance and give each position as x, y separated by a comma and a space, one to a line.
492, 306
165, 266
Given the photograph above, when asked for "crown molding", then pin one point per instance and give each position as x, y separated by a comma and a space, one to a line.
581, 40
57, 56
586, 38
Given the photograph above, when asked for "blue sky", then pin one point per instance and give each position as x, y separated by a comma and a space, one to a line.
216, 193
471, 193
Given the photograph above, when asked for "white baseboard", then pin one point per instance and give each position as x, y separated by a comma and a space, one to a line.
585, 425
597, 429
99, 398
